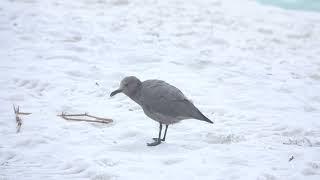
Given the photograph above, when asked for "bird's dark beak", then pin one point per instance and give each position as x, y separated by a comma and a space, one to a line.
115, 92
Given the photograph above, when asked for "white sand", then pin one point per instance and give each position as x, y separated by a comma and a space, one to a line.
253, 69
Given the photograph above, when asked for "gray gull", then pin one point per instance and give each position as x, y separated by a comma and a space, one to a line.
161, 102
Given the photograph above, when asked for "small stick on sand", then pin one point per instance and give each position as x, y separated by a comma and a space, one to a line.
291, 158
18, 119
84, 117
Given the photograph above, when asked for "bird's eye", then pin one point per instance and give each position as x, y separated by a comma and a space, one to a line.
126, 85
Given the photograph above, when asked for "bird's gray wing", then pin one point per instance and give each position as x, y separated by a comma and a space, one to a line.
161, 97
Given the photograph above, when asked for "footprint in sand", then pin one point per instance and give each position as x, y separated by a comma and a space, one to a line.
104, 176
313, 168
266, 177
223, 139
35, 87
107, 162
265, 31
172, 161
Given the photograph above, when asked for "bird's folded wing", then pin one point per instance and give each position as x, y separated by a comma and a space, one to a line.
167, 100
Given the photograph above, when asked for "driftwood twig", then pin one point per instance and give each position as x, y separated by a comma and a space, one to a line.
18, 118
291, 158
299, 142
85, 117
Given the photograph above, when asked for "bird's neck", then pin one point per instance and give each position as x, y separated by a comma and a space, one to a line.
135, 96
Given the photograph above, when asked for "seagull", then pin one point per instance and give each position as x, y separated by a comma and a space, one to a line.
161, 102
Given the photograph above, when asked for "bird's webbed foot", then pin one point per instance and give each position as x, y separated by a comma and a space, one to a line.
155, 143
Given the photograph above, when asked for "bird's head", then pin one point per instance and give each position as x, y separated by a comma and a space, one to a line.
129, 86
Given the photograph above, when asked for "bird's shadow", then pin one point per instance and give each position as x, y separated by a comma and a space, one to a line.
141, 146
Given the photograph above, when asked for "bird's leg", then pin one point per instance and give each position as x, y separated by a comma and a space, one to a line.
165, 133
158, 140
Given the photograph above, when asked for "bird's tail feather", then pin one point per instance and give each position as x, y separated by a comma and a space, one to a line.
204, 118
207, 119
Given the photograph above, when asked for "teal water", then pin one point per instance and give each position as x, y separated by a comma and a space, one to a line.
308, 5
